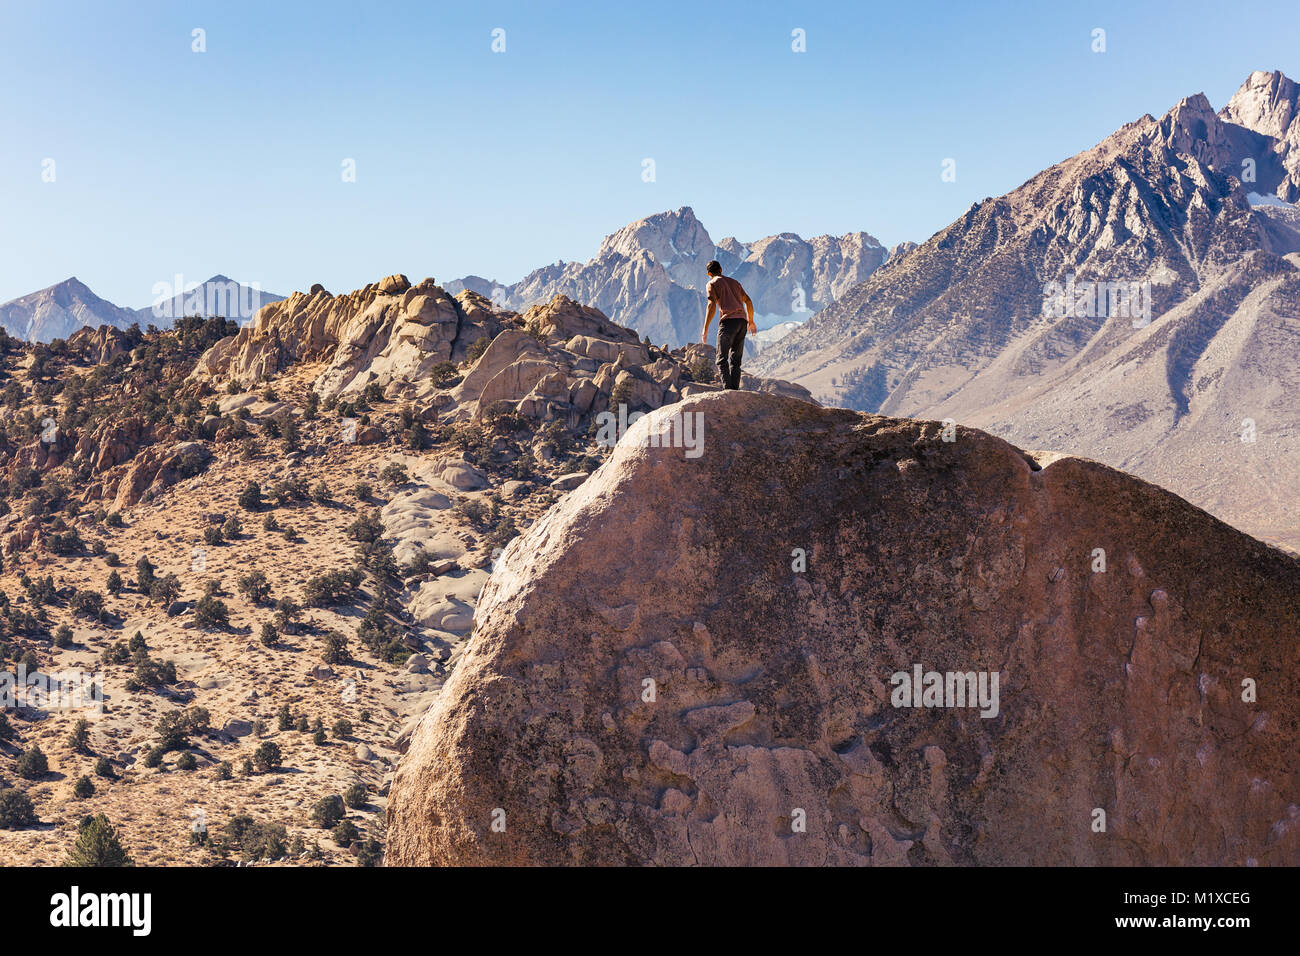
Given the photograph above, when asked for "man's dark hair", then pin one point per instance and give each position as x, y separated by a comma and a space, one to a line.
714, 268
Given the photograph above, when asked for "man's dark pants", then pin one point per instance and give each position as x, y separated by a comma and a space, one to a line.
731, 347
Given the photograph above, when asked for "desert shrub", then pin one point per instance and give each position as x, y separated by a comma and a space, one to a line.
371, 853
328, 811
319, 738
270, 524
104, 767
79, 738
269, 636
186, 761
344, 833
320, 492
63, 636
267, 756
342, 728
83, 788
502, 533
88, 603
284, 718
65, 542
31, 764
335, 650
211, 613
114, 584
212, 535
356, 796
477, 348
165, 590
621, 394
144, 574
472, 510
333, 588
232, 528
367, 527
254, 586
361, 490
287, 613
394, 473
15, 809
115, 653
254, 840
153, 757
250, 499
151, 673
224, 770
175, 726
444, 374
97, 845
701, 370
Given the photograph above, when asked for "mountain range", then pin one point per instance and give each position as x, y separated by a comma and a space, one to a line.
650, 275
60, 310
1138, 303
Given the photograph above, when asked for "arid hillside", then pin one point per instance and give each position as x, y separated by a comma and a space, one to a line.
255, 555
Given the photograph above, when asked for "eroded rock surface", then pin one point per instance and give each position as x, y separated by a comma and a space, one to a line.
651, 682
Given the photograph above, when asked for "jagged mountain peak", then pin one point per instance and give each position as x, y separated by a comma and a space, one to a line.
650, 275
1268, 103
964, 326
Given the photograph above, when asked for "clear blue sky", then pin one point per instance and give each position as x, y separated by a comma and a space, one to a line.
169, 161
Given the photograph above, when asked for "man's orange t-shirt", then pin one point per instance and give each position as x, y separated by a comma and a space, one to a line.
729, 296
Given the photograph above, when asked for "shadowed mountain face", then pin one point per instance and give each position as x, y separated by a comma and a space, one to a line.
1136, 303
650, 275
695, 660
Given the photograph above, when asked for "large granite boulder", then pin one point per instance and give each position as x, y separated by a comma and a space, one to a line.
698, 658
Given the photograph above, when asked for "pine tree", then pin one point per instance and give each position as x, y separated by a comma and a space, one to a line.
97, 845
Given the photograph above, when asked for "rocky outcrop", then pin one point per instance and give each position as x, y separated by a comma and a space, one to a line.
388, 332
155, 469
696, 660
99, 344
560, 361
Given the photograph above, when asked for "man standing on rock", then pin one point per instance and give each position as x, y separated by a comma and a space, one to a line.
727, 294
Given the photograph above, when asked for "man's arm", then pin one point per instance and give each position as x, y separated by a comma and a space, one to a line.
749, 307
708, 318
